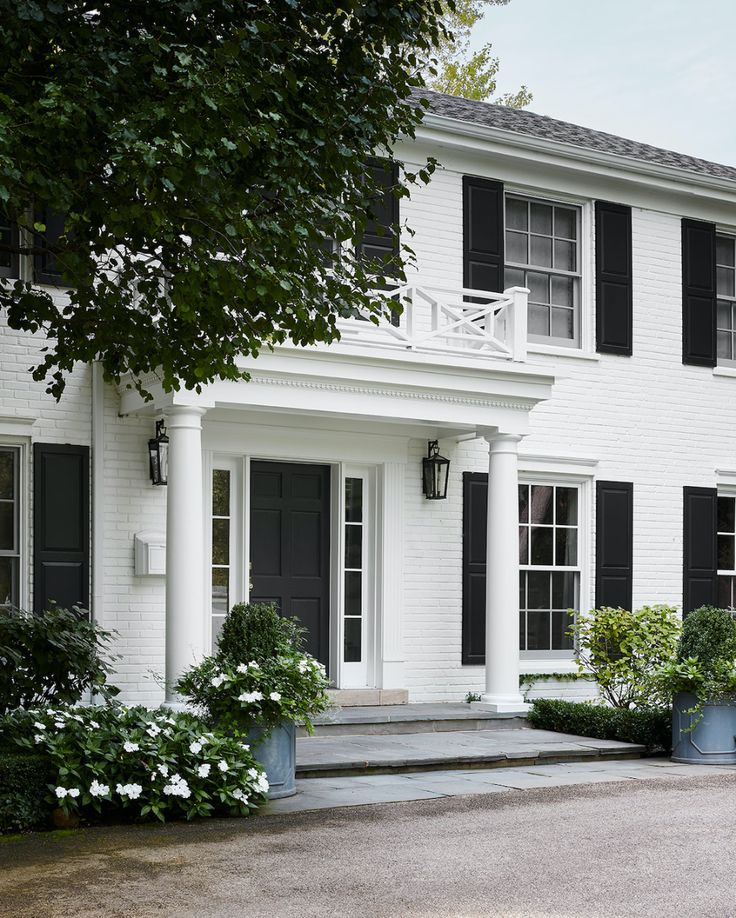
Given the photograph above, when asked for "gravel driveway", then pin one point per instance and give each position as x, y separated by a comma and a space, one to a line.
654, 848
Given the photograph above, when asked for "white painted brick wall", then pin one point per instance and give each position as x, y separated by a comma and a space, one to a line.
647, 419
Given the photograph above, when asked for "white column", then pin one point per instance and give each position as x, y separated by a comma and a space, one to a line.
502, 577
185, 625
391, 556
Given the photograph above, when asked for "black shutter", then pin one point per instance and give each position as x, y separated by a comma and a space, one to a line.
699, 557
698, 293
60, 526
380, 242
46, 270
475, 514
614, 544
482, 234
9, 261
613, 278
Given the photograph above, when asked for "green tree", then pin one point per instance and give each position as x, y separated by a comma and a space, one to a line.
472, 75
170, 130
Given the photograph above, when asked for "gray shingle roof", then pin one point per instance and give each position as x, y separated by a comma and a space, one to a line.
524, 122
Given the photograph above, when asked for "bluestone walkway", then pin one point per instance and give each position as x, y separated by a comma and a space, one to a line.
359, 790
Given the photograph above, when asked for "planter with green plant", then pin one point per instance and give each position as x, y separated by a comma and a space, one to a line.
702, 682
260, 682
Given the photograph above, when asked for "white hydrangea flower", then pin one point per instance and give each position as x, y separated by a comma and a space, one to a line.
78, 718
275, 696
262, 784
94, 725
163, 769
222, 765
39, 726
253, 773
59, 724
240, 795
178, 788
130, 747
254, 665
195, 747
242, 667
245, 746
98, 790
217, 680
250, 697
153, 730
73, 792
133, 791
38, 738
204, 770
303, 666
60, 792
120, 790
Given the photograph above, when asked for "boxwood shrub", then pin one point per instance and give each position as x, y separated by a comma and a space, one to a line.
648, 727
24, 782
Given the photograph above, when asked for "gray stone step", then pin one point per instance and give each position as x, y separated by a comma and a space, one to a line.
385, 720
322, 756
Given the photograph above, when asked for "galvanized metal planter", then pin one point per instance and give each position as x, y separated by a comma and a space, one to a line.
712, 741
276, 751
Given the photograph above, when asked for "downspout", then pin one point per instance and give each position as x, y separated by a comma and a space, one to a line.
98, 494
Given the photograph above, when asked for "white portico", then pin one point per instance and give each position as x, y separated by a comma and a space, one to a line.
294, 486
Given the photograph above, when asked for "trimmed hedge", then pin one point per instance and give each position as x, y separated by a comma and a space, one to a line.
648, 727
24, 780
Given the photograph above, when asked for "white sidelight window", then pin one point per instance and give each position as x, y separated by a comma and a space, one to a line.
357, 573
542, 252
549, 567
727, 552
726, 292
9, 525
354, 602
223, 533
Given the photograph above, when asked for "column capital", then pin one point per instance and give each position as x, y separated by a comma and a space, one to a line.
184, 416
501, 441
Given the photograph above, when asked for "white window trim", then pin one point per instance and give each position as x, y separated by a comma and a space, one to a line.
22, 444
235, 585
586, 345
726, 366
564, 473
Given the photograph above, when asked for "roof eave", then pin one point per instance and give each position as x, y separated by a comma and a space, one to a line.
651, 173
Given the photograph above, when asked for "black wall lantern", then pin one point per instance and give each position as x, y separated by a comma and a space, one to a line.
435, 472
158, 455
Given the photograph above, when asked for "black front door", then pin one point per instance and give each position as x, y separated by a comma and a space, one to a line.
290, 545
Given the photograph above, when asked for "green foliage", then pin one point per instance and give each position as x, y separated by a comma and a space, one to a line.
51, 658
113, 762
472, 75
623, 651
648, 727
256, 631
706, 658
258, 676
173, 130
471, 697
24, 780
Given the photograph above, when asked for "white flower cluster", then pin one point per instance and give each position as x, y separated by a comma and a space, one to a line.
178, 787
62, 792
260, 780
130, 747
240, 795
98, 790
250, 697
132, 791
203, 771
244, 667
217, 680
275, 696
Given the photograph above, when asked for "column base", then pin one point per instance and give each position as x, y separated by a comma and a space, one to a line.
501, 704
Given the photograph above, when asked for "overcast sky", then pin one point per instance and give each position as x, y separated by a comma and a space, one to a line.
660, 71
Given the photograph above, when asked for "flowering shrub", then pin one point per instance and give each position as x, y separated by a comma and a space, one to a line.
259, 675
291, 687
146, 763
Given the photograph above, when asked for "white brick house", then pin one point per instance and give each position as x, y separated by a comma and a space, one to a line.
610, 422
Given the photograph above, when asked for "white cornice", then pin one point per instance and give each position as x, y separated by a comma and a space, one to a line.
440, 130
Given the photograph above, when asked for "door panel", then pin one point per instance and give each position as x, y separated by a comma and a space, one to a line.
290, 545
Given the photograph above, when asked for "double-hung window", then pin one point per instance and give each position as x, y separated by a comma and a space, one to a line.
726, 292
9, 525
543, 253
549, 567
726, 552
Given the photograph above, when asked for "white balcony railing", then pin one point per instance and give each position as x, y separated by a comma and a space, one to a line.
461, 321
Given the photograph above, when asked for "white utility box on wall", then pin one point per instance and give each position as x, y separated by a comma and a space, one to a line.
150, 554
